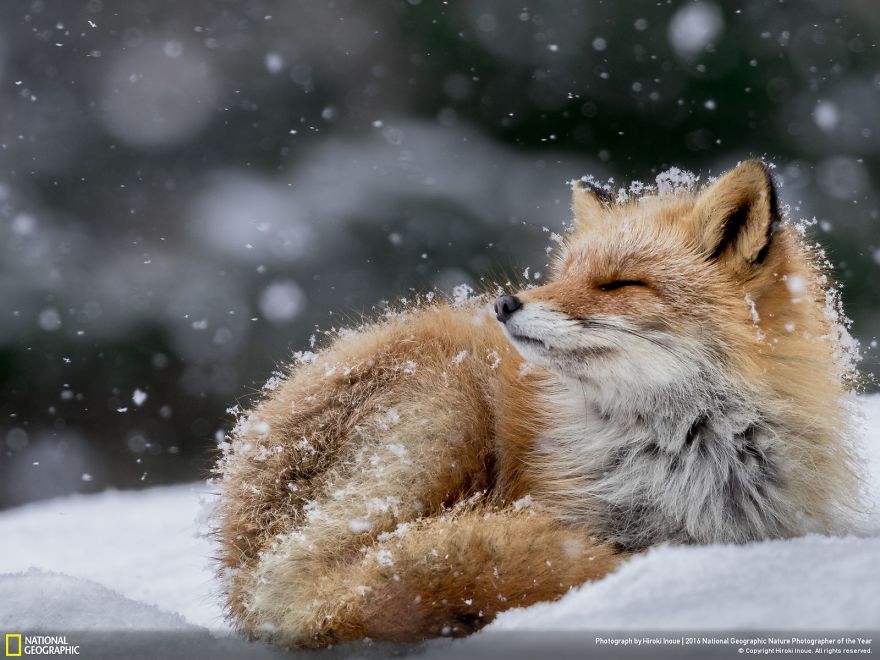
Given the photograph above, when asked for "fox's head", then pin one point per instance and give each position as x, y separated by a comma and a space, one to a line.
693, 353
657, 291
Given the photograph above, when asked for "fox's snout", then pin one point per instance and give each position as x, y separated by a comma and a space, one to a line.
505, 306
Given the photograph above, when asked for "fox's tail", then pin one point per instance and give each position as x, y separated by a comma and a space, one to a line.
448, 575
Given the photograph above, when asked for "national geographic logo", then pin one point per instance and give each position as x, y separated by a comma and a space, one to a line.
17, 645
13, 645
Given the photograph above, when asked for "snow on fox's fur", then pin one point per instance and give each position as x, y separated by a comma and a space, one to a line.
677, 380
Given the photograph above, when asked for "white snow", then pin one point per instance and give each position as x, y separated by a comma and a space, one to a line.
139, 397
461, 293
795, 284
826, 115
281, 301
49, 319
161, 93
142, 545
694, 27
274, 62
135, 560
807, 583
37, 599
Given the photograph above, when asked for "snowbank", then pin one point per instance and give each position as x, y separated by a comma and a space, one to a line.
135, 561
38, 600
808, 583
143, 545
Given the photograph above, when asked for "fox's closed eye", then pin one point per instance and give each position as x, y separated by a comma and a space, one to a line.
619, 284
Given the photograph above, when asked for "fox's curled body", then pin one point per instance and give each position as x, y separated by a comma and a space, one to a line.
677, 380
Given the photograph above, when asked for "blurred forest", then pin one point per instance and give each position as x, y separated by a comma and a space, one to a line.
190, 190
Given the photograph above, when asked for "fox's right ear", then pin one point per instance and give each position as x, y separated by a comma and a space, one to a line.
734, 218
589, 201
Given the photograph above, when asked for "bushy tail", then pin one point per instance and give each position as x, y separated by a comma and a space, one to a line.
448, 575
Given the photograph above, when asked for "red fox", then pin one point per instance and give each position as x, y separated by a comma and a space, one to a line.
678, 379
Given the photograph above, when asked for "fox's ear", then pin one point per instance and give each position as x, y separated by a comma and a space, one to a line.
589, 201
735, 217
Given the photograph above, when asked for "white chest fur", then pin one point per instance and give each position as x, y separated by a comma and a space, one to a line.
690, 467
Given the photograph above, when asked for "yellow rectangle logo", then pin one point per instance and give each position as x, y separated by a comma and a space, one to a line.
15, 637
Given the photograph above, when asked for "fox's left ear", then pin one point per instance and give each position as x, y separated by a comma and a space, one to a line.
735, 217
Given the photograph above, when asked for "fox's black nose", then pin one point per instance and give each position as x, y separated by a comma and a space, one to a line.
505, 306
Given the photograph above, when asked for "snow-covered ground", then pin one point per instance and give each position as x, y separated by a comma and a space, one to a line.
137, 561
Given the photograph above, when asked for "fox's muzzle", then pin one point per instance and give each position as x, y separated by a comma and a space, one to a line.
505, 306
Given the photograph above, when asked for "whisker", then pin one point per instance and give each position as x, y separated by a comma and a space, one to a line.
592, 323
